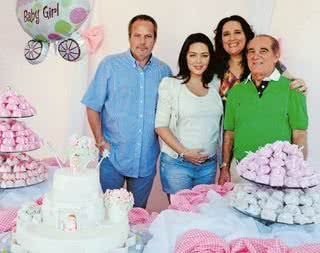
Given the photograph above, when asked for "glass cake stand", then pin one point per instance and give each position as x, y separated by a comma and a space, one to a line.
20, 151
265, 221
21, 117
18, 187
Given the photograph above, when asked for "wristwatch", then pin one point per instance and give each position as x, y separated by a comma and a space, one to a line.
224, 164
181, 155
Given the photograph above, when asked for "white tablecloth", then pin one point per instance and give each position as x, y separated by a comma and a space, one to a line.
217, 217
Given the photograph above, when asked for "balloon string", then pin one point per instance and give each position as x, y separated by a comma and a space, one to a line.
55, 47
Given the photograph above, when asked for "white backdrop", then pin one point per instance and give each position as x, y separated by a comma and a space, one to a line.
55, 87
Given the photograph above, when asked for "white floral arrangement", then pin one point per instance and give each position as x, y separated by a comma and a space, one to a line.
30, 213
82, 151
120, 198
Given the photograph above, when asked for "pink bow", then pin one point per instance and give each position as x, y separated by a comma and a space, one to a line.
188, 200
93, 38
140, 216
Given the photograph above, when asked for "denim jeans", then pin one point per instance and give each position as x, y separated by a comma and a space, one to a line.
178, 174
140, 187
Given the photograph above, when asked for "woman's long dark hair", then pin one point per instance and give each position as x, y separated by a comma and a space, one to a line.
184, 72
221, 56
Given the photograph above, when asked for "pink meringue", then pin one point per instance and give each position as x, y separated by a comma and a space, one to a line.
263, 179
4, 112
276, 180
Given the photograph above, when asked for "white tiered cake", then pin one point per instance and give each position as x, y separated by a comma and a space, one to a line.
74, 217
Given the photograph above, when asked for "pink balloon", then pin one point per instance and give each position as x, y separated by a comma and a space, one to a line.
78, 15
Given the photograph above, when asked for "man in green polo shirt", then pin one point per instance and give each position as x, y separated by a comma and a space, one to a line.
263, 108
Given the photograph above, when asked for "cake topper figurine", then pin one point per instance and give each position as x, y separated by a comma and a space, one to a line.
82, 152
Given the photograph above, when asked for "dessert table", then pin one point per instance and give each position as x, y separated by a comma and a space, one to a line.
196, 217
210, 225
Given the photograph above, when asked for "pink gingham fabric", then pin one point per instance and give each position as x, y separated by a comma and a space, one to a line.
199, 241
307, 248
139, 215
7, 219
187, 200
249, 245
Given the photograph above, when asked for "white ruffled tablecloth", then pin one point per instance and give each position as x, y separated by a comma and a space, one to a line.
217, 217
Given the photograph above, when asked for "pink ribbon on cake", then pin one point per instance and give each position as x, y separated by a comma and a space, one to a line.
93, 38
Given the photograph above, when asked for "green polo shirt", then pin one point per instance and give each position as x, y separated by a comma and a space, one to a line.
258, 121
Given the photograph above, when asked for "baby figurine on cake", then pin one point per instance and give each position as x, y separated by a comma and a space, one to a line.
82, 151
71, 224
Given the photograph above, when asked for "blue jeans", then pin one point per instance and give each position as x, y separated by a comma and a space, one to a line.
178, 174
140, 187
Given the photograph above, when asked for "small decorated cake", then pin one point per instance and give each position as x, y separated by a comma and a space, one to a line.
279, 164
118, 202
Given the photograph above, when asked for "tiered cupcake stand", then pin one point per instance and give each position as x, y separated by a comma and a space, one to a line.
281, 188
18, 169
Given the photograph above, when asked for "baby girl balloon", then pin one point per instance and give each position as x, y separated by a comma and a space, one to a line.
53, 21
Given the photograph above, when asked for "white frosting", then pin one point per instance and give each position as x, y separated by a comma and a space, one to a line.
84, 185
39, 239
89, 213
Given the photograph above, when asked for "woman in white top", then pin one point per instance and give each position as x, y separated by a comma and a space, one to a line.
188, 118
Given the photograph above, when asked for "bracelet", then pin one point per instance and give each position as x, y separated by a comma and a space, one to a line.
101, 143
224, 164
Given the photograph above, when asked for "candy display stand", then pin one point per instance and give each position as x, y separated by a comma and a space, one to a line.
18, 169
280, 186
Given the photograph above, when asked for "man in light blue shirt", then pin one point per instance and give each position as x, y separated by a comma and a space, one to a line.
121, 104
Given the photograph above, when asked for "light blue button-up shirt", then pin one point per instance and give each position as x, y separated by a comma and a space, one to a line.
126, 96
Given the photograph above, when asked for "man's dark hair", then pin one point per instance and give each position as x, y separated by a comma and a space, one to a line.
143, 17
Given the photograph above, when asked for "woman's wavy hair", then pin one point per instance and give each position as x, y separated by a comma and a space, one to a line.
184, 72
221, 56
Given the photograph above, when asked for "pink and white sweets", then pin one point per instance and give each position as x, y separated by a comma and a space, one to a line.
15, 136
279, 164
21, 170
14, 105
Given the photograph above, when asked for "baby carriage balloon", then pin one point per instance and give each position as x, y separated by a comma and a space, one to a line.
54, 21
